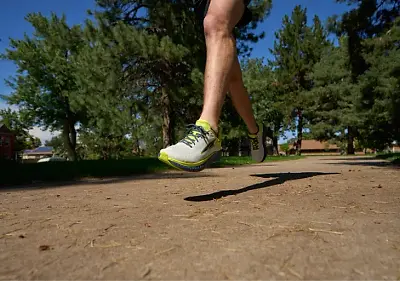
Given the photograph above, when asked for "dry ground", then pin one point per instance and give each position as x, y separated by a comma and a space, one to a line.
317, 218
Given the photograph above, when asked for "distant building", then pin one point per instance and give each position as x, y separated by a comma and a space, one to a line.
395, 147
34, 155
6, 143
315, 147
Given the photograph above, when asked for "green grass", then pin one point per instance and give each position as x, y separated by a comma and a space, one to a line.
394, 158
237, 160
19, 174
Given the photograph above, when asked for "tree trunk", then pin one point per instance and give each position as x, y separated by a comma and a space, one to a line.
167, 122
275, 145
69, 135
299, 134
350, 141
233, 146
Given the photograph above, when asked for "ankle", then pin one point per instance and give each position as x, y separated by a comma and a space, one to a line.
213, 125
254, 130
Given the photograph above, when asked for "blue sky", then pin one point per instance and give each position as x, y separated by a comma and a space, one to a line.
13, 24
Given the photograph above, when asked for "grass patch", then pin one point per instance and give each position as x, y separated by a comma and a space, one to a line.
394, 158
19, 174
246, 160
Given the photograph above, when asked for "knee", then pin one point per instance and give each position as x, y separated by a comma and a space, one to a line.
215, 26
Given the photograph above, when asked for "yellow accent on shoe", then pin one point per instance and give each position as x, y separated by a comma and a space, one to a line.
163, 157
186, 166
204, 124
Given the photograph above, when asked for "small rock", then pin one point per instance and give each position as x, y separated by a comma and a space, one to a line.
379, 186
21, 236
58, 195
362, 194
44, 247
108, 198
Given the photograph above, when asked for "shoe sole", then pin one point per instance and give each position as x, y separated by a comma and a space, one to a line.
189, 167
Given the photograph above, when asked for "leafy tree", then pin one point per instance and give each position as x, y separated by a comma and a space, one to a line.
58, 145
44, 82
94, 145
23, 139
285, 147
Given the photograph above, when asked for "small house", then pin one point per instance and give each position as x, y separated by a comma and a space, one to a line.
33, 155
6, 143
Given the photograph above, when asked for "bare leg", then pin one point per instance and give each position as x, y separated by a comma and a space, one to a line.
221, 18
240, 98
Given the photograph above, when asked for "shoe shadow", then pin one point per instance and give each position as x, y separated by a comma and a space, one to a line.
279, 178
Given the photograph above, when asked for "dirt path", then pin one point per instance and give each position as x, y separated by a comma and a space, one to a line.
329, 218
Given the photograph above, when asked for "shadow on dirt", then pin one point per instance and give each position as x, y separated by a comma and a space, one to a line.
279, 178
351, 158
372, 162
101, 181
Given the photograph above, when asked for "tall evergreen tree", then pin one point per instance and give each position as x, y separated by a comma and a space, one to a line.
296, 49
333, 99
168, 27
368, 19
379, 101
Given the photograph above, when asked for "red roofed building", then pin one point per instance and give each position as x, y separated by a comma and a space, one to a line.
6, 143
315, 147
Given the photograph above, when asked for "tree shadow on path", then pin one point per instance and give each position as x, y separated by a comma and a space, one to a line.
104, 181
279, 178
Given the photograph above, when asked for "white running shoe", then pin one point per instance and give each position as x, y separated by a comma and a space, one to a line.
257, 144
200, 148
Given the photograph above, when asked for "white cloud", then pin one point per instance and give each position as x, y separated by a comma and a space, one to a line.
4, 105
43, 135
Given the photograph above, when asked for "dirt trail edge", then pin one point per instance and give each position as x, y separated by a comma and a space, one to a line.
316, 218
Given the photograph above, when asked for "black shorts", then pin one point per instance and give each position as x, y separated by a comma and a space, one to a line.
201, 8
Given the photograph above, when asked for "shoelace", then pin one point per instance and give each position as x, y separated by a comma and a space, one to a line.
254, 143
194, 134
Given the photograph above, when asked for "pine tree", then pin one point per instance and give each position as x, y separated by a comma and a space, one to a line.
379, 101
297, 48
332, 101
168, 53
370, 18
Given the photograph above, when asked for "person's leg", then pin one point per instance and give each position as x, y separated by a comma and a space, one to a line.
202, 143
221, 18
240, 98
242, 104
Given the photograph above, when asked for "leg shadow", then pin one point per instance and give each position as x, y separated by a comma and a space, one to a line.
279, 178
